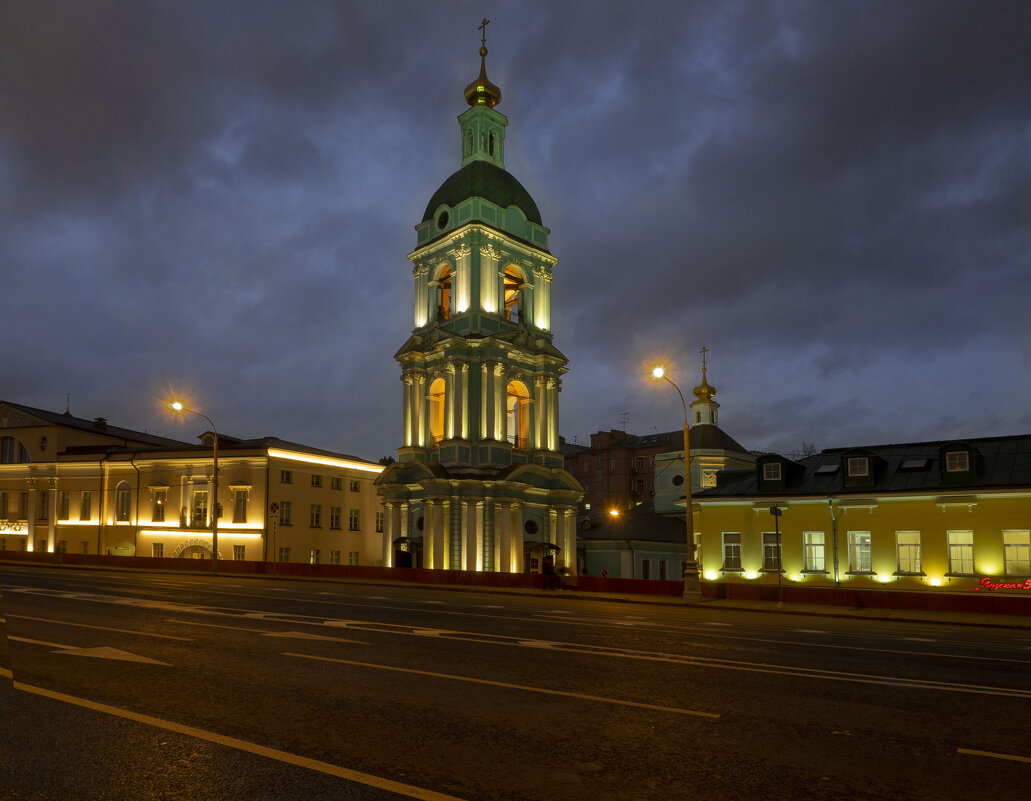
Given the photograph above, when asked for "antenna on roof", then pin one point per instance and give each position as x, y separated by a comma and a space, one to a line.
68, 404
626, 419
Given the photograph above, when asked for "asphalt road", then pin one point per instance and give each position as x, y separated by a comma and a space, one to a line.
147, 686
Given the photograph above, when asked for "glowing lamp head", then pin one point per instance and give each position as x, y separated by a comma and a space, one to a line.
658, 372
176, 406
614, 512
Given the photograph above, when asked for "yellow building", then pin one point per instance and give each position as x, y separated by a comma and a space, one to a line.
949, 515
82, 486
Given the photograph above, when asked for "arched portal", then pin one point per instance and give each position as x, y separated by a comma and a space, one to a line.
437, 398
518, 419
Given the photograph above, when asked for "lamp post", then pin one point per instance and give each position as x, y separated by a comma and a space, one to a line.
692, 586
179, 407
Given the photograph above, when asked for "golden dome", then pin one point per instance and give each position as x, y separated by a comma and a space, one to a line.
704, 391
482, 92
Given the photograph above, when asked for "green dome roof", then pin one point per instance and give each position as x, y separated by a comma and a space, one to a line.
483, 179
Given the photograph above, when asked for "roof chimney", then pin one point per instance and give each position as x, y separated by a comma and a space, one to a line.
100, 423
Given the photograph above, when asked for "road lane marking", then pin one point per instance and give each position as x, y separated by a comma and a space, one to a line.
100, 652
507, 686
993, 755
242, 745
264, 633
101, 628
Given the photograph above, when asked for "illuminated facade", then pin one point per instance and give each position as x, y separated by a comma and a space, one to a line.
928, 515
479, 483
82, 486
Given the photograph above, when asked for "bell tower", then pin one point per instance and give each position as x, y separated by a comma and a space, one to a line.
480, 374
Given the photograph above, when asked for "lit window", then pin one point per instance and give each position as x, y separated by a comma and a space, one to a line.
908, 545
860, 558
438, 405
772, 471
961, 553
314, 556
123, 498
957, 461
518, 417
513, 295
731, 550
157, 512
1016, 552
771, 551
814, 554
858, 466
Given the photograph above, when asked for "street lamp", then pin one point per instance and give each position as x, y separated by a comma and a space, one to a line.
178, 407
692, 586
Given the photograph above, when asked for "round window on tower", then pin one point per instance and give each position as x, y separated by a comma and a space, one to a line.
678, 480
442, 219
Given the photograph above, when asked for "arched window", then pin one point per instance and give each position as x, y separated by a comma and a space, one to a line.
490, 146
12, 451
436, 410
444, 295
513, 295
518, 420
123, 501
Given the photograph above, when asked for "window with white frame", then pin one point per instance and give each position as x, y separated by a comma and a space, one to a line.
379, 522
83, 546
907, 544
1016, 553
772, 471
336, 483
336, 516
731, 550
814, 555
239, 553
957, 461
314, 556
353, 520
44, 506
857, 466
961, 553
284, 554
352, 558
316, 480
85, 505
771, 551
23, 506
157, 549
316, 515
334, 557
63, 502
286, 476
239, 505
860, 552
356, 485
286, 513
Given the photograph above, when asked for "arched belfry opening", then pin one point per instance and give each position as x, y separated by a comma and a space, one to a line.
481, 375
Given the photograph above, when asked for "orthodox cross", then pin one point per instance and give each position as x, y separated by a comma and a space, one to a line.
483, 28
703, 351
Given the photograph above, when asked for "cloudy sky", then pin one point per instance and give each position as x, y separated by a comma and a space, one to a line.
218, 197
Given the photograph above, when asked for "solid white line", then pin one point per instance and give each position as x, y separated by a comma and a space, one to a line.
242, 745
507, 686
102, 628
993, 755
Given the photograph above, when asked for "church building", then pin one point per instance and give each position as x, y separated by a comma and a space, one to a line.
479, 483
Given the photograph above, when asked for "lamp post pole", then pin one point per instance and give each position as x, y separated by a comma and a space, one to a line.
692, 584
213, 506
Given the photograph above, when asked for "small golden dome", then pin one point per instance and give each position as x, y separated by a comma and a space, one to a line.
704, 391
482, 92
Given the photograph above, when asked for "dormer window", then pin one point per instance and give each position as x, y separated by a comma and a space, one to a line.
957, 462
772, 471
857, 466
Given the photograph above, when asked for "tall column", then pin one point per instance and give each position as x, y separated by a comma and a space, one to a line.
406, 412
52, 518
30, 517
518, 558
541, 414
429, 535
489, 256
552, 443
461, 284
463, 427
449, 401
473, 525
487, 401
500, 409
454, 537
439, 536
553, 527
503, 521
569, 541
419, 403
491, 545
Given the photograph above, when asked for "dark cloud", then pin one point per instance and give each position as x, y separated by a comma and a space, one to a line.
833, 197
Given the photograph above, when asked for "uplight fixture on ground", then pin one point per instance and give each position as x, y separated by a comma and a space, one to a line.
179, 407
692, 586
